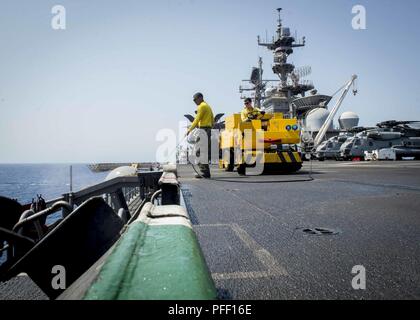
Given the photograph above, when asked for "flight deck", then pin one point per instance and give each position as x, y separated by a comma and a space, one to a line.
299, 239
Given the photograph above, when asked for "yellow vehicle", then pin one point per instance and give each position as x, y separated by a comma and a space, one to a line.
268, 142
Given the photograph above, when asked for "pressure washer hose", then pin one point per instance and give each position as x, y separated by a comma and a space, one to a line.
176, 148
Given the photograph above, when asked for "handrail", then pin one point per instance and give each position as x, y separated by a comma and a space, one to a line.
104, 187
112, 185
156, 194
29, 213
56, 206
52, 201
125, 188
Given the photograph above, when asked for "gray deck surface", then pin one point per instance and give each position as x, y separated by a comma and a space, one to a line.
21, 288
251, 233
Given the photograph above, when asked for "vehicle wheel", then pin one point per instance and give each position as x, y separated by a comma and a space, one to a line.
295, 167
242, 170
321, 159
231, 164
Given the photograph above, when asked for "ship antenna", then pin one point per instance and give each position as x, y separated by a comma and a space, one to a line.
71, 178
279, 25
279, 11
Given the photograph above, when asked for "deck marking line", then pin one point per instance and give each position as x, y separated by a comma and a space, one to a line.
266, 259
243, 275
262, 255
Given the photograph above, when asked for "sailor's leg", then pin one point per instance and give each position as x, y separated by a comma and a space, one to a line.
204, 167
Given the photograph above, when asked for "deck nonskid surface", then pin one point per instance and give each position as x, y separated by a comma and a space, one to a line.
253, 240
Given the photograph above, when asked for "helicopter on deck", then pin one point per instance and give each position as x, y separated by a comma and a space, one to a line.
402, 136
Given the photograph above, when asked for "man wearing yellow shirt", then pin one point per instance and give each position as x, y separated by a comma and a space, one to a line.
204, 120
249, 112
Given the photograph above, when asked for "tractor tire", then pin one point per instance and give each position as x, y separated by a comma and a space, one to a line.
231, 164
242, 170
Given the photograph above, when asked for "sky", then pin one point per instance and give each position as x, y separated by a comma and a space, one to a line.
100, 90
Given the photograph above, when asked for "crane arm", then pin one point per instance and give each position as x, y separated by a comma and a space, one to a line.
321, 134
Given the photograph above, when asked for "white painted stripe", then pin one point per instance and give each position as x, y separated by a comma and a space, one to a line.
266, 259
273, 268
243, 275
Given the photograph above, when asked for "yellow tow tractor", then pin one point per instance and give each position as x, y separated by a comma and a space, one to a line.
268, 141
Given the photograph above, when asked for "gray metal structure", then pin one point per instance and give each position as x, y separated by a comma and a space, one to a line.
257, 85
330, 149
328, 122
403, 136
289, 96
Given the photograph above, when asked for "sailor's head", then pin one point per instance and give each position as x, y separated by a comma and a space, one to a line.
198, 98
248, 103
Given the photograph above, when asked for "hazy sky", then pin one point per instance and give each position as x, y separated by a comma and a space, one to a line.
101, 89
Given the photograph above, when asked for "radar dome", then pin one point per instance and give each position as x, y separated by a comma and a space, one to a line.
348, 120
315, 119
121, 172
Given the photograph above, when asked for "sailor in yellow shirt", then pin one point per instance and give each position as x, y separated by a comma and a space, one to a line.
249, 112
204, 120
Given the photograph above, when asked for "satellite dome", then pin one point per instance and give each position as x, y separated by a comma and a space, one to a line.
315, 119
121, 172
348, 120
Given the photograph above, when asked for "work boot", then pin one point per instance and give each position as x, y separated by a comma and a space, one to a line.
202, 175
204, 171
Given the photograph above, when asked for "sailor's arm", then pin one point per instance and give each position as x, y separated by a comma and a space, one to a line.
197, 119
259, 113
244, 115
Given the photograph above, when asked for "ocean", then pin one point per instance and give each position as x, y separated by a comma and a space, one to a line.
24, 181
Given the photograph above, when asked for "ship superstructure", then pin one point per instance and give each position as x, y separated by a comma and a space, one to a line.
290, 95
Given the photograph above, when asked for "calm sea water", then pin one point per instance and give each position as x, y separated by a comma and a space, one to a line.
24, 181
